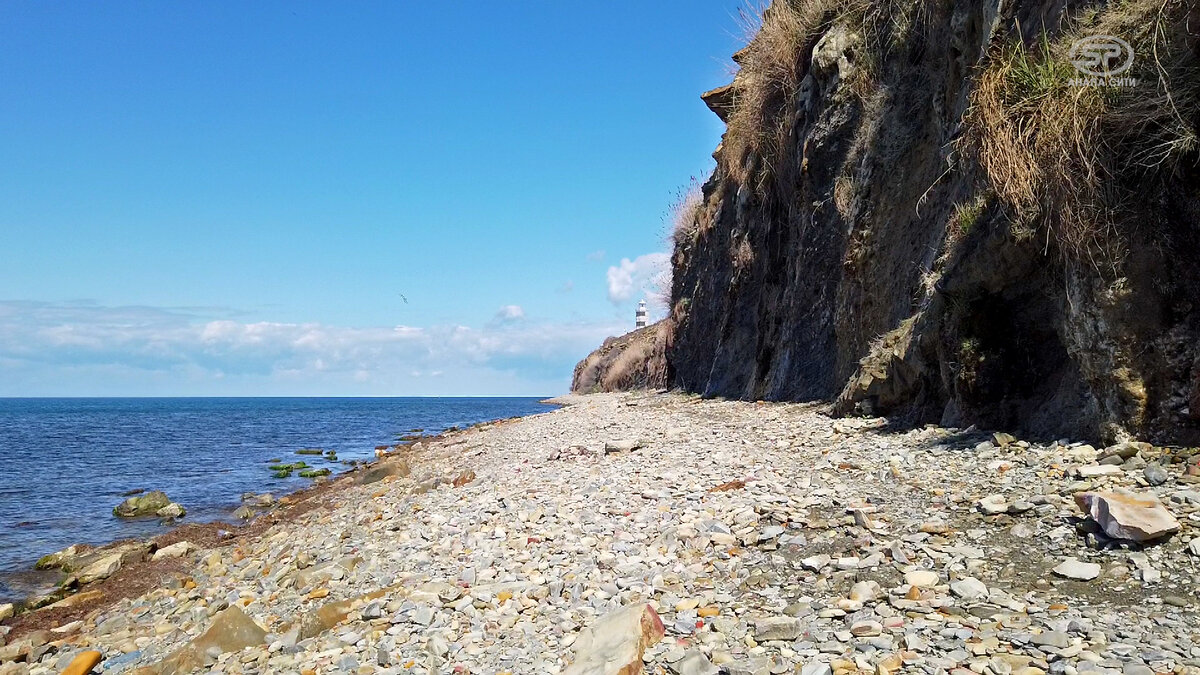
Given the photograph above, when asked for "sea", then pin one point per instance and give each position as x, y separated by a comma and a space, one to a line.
66, 462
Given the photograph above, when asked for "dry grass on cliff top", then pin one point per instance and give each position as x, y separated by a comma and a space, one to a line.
772, 66
1065, 160
780, 40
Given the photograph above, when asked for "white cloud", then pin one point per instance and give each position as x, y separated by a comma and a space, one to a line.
510, 313
596, 256
79, 349
642, 275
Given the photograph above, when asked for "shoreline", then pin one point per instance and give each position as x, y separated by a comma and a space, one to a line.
765, 536
139, 572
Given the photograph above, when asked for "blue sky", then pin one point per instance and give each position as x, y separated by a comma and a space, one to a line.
226, 198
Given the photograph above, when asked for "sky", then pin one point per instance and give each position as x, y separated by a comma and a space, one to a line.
340, 199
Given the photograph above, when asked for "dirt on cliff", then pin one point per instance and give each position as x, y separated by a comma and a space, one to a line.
926, 209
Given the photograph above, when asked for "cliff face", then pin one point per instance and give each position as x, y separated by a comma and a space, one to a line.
916, 212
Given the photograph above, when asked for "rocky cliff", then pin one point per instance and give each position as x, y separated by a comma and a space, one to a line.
636, 360
917, 210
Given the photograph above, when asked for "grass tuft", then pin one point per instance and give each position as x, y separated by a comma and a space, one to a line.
1064, 160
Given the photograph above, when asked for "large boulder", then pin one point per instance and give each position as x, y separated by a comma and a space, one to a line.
231, 630
385, 469
1139, 517
142, 505
100, 569
614, 644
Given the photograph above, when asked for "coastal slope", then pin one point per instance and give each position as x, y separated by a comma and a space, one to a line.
918, 210
768, 538
635, 360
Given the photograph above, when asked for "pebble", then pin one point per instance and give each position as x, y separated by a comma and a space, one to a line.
832, 545
1072, 568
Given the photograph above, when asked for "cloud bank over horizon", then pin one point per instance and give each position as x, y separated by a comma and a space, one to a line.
83, 348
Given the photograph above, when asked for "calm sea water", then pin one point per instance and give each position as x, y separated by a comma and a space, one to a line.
64, 463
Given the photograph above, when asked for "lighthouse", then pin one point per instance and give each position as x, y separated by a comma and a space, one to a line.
640, 316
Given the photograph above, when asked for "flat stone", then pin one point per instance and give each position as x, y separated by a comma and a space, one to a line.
921, 578
83, 663
1130, 517
622, 445
993, 505
816, 668
777, 628
617, 641
969, 588
694, 663
1052, 638
816, 563
1072, 568
1098, 470
176, 550
866, 628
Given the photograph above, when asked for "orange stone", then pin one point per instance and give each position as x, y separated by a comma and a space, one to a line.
318, 593
708, 611
503, 595
83, 663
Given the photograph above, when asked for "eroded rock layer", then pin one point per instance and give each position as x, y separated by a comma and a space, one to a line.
918, 210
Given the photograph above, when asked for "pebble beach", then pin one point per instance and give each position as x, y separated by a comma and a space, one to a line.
765, 537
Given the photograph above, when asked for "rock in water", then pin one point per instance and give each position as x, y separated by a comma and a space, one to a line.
172, 510
1072, 568
58, 559
614, 644
231, 630
142, 505
1128, 516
